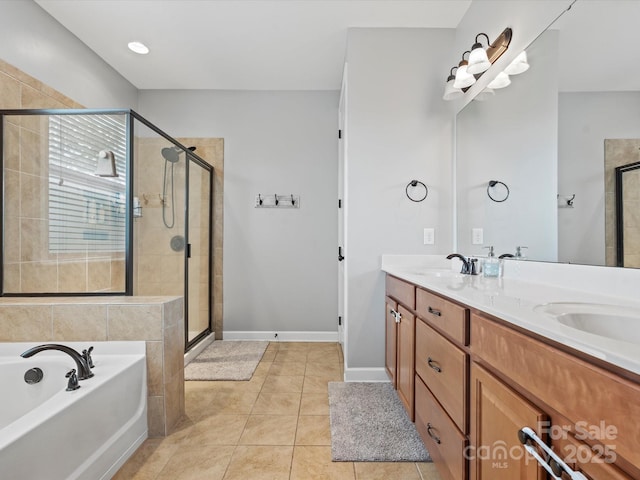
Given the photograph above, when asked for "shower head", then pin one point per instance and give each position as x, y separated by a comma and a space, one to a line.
172, 154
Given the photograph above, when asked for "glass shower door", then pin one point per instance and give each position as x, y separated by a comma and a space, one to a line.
199, 254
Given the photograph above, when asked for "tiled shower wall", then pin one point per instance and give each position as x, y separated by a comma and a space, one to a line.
29, 265
619, 152
159, 268
28, 262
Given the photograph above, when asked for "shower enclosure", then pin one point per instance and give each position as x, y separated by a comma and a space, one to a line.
102, 202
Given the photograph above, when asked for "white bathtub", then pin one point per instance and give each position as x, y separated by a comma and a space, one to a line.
47, 433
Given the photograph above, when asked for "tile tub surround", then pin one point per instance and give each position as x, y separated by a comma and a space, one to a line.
156, 320
527, 284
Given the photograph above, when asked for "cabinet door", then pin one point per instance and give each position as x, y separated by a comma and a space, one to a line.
406, 359
497, 414
390, 340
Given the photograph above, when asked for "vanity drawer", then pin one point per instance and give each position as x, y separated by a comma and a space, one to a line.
448, 317
401, 291
443, 367
584, 394
440, 435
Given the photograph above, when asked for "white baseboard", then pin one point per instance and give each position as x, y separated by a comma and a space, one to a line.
365, 375
282, 336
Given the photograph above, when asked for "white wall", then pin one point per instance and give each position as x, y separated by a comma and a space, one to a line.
512, 137
586, 119
280, 272
398, 129
31, 40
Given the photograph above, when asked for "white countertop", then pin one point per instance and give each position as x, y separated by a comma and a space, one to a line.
512, 298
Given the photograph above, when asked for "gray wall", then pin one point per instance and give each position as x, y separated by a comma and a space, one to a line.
34, 42
512, 137
280, 272
586, 119
398, 129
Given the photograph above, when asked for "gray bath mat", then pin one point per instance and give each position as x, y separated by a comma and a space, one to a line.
226, 360
369, 424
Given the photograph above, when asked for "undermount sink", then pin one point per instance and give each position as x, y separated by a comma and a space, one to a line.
611, 321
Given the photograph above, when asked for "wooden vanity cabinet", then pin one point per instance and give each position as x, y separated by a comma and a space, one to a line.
391, 340
592, 416
497, 413
473, 381
400, 339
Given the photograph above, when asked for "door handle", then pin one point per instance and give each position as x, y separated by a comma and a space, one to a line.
340, 256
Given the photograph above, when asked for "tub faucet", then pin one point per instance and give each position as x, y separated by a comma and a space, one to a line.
468, 264
82, 367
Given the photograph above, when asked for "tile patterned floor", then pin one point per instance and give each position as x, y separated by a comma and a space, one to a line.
273, 427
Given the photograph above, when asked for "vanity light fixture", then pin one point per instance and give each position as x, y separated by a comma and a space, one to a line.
450, 92
518, 65
485, 94
138, 47
463, 78
478, 59
502, 80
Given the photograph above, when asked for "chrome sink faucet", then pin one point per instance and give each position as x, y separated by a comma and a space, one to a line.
468, 264
82, 364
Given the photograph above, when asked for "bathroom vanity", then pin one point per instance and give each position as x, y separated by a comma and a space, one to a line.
477, 360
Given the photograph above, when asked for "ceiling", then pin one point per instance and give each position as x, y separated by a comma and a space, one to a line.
238, 44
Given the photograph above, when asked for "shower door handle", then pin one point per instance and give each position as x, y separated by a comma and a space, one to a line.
188, 250
340, 256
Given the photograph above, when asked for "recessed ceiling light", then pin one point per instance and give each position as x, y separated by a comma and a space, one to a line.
138, 47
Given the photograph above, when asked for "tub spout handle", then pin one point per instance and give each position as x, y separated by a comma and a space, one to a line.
86, 354
73, 380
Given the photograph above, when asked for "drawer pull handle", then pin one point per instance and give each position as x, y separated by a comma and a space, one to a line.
435, 312
396, 315
552, 463
431, 363
431, 434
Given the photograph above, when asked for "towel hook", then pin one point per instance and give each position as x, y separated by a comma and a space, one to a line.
293, 202
259, 199
276, 197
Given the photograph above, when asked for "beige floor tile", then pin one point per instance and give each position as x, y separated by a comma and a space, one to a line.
196, 463
254, 385
314, 463
197, 403
269, 356
323, 369
235, 402
287, 368
386, 471
428, 471
217, 430
324, 356
299, 356
269, 430
277, 404
314, 404
260, 463
147, 462
283, 384
262, 369
313, 430
287, 346
318, 384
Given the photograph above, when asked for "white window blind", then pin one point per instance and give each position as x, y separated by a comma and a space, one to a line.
86, 212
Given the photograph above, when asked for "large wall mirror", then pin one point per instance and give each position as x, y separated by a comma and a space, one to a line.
555, 137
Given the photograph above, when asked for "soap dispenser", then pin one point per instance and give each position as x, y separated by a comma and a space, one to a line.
491, 266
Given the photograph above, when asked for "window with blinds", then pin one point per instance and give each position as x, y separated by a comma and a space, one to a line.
86, 212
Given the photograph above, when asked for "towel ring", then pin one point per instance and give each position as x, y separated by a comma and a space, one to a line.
415, 183
493, 183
